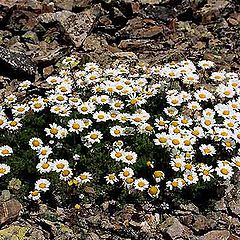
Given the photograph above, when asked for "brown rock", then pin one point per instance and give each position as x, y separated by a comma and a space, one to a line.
9, 210
141, 28
216, 235
174, 229
200, 223
235, 206
48, 71
135, 43
64, 4
234, 19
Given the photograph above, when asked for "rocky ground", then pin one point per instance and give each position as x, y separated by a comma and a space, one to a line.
36, 34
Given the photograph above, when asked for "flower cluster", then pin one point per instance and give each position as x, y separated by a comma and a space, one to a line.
192, 131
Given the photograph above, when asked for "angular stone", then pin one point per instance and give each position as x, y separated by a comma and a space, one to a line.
216, 235
64, 4
140, 28
75, 26
17, 62
189, 207
235, 206
9, 210
174, 229
200, 223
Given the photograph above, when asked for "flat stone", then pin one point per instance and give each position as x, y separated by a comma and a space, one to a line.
216, 235
140, 28
17, 61
9, 210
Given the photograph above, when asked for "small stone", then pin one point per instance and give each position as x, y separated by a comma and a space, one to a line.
6, 195
89, 190
189, 207
64, 4
220, 205
235, 206
216, 235
47, 71
9, 210
92, 236
200, 223
15, 184
30, 37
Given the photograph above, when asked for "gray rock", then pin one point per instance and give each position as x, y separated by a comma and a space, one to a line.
189, 207
216, 235
17, 61
75, 26
6, 195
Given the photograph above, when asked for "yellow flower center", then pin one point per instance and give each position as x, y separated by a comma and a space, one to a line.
60, 165
190, 177
111, 177
224, 171
207, 122
149, 128
178, 164
94, 136
174, 184
54, 131
76, 126
37, 105
83, 177
205, 172
45, 165
153, 190
158, 174
226, 112
174, 101
129, 180
118, 154
5, 151
35, 143
202, 95
187, 142
175, 141
35, 193
42, 185
60, 98
65, 172
141, 184
133, 101
119, 87
13, 123
2, 170
117, 131
129, 157
162, 140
